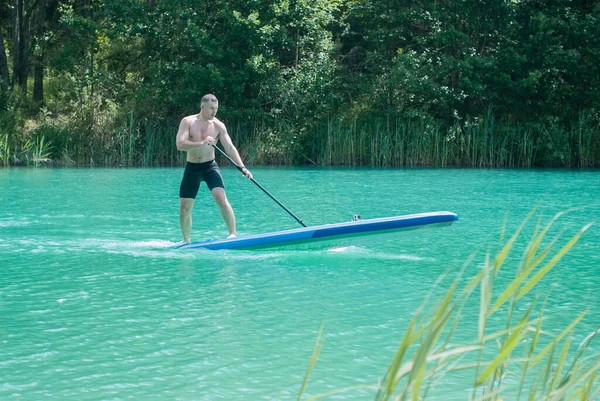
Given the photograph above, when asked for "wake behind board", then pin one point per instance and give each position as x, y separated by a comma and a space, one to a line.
327, 231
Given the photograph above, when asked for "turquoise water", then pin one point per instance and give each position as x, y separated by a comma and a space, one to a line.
93, 307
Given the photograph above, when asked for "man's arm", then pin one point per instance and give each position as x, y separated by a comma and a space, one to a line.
183, 137
231, 150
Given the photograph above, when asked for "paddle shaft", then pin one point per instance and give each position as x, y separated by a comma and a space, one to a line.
260, 186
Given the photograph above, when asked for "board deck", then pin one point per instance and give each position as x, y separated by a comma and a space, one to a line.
327, 231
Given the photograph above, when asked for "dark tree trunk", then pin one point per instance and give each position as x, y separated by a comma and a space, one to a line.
38, 77
38, 81
90, 8
4, 75
150, 43
20, 57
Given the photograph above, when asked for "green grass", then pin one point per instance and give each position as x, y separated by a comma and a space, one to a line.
519, 362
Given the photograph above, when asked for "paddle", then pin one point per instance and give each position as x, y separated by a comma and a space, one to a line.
260, 186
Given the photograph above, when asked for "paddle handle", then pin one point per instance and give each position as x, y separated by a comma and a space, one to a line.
241, 169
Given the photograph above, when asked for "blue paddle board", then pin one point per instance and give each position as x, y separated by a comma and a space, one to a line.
327, 231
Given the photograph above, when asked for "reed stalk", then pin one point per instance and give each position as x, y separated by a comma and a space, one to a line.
36, 151
333, 141
5, 151
541, 365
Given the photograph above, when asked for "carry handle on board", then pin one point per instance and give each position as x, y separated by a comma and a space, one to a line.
260, 186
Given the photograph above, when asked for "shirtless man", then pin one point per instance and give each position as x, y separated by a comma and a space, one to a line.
196, 135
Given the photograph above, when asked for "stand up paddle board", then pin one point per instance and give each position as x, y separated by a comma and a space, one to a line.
327, 231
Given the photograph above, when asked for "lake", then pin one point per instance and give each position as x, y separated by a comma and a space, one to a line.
94, 306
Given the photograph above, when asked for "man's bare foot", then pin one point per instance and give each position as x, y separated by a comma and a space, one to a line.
232, 236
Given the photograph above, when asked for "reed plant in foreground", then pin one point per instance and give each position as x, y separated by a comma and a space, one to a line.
520, 361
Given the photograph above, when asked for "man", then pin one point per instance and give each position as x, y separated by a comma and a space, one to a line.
197, 134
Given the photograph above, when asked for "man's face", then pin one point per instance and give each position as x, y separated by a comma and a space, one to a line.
209, 110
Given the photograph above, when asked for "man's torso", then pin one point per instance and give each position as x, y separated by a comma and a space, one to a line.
199, 131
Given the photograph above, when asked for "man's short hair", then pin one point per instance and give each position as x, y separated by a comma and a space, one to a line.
209, 99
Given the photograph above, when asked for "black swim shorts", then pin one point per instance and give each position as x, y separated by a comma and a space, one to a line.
197, 172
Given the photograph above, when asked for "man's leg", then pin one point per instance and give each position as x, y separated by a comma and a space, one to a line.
185, 217
226, 210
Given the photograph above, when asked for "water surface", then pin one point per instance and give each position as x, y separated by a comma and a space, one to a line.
93, 307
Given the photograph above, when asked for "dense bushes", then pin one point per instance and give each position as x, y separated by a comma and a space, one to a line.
354, 82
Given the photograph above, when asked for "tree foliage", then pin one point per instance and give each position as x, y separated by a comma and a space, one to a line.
97, 64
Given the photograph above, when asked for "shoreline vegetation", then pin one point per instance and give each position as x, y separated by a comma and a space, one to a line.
511, 356
483, 143
377, 83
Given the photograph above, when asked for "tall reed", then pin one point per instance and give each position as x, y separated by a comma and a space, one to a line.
36, 151
476, 142
5, 151
332, 141
587, 138
520, 361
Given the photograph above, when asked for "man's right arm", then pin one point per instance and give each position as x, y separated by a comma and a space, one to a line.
183, 137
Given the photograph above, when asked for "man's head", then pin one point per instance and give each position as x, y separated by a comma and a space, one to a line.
209, 106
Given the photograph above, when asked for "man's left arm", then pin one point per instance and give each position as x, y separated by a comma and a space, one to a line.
232, 151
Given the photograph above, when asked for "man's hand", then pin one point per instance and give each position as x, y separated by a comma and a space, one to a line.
246, 172
210, 141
